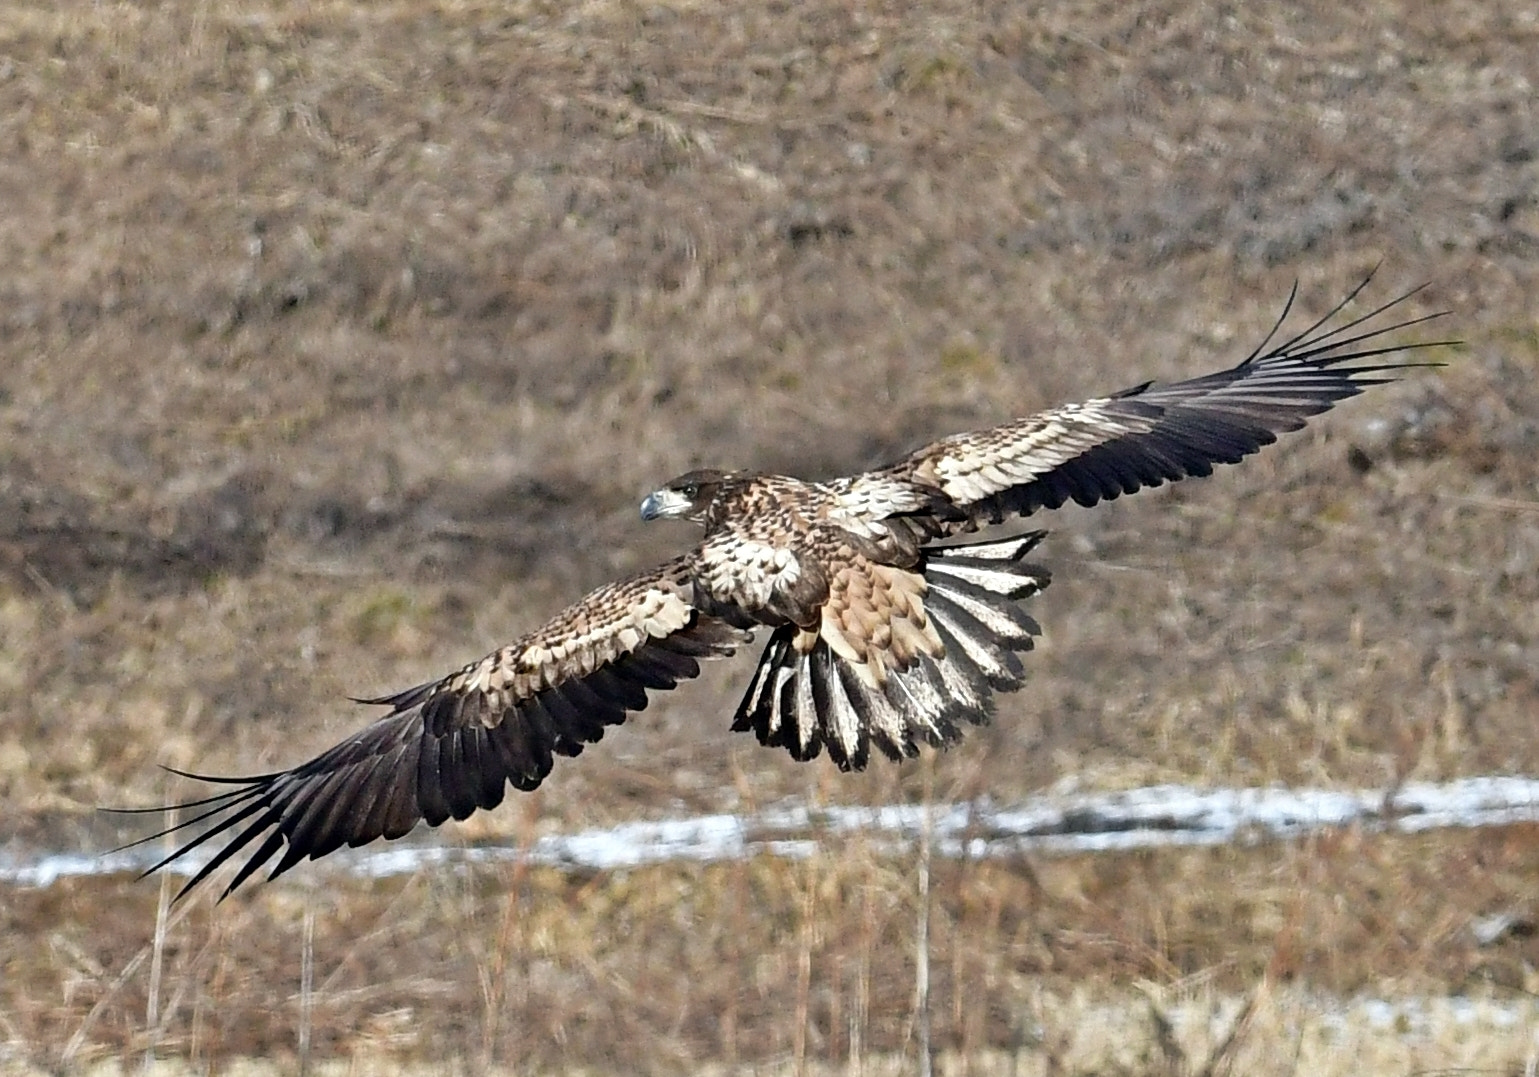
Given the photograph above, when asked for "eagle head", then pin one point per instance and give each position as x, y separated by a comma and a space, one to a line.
688, 497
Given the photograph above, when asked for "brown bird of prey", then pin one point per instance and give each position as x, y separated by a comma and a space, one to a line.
885, 629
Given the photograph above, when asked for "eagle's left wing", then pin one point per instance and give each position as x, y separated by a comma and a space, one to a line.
452, 746
1143, 436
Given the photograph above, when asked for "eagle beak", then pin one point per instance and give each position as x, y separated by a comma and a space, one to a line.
664, 503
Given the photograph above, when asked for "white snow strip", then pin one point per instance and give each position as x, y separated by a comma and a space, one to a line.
1164, 815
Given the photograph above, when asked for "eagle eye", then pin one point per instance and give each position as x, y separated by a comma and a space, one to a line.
691, 490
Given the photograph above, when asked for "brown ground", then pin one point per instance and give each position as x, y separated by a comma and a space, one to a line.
338, 343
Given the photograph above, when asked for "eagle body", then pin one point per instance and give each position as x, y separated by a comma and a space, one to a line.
887, 622
771, 539
876, 639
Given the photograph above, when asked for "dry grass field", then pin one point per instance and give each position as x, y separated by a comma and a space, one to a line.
339, 341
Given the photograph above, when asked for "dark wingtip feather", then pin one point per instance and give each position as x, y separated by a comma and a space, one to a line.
1332, 347
400, 701
263, 854
221, 779
1293, 293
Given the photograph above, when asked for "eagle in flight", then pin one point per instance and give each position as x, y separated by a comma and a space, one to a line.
887, 628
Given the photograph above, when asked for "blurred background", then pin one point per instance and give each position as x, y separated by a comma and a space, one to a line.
339, 343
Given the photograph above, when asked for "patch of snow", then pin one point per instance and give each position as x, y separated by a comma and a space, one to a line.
1152, 817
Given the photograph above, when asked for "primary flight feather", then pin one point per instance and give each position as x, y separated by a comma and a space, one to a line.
885, 629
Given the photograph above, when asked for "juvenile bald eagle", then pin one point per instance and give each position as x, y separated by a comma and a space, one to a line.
881, 631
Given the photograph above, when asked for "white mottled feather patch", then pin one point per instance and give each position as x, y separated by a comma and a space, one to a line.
599, 631
862, 503
748, 571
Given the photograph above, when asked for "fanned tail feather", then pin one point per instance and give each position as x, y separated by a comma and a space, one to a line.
805, 699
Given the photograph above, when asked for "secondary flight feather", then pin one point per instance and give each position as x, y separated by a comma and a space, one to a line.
888, 625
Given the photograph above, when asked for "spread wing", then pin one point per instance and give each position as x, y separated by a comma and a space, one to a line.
452, 746
1143, 436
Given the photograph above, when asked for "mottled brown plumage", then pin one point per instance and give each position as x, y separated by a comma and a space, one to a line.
880, 635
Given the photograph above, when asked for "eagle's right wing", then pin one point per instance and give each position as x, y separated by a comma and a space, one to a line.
1143, 436
452, 746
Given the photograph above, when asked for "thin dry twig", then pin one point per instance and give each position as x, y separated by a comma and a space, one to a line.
306, 985
494, 978
1220, 1062
152, 1002
925, 1063
804, 946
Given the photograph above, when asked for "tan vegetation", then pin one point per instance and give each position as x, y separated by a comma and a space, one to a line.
338, 343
